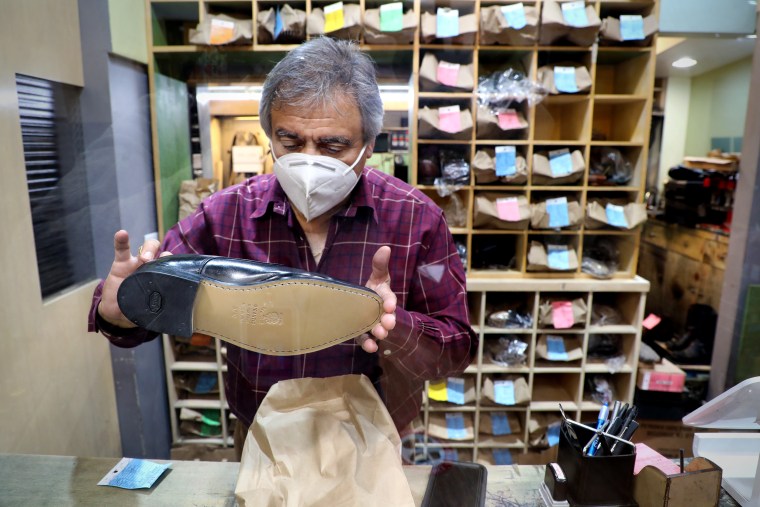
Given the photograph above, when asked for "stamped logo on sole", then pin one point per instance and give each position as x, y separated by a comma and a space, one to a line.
257, 315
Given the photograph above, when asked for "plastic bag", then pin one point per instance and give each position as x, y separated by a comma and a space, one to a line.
600, 258
510, 319
498, 91
508, 351
608, 166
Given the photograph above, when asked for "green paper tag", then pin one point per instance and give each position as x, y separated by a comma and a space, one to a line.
391, 17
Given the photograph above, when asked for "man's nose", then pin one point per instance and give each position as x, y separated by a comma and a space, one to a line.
310, 149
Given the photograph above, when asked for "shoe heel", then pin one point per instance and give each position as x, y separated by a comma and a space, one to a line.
159, 302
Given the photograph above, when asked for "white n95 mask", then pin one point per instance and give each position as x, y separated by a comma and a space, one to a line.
315, 183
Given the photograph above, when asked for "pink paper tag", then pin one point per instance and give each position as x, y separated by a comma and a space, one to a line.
509, 120
562, 314
508, 209
447, 73
651, 321
449, 120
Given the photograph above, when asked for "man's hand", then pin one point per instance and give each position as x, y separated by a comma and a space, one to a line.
380, 282
124, 264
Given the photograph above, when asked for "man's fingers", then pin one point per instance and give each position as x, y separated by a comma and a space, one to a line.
149, 250
380, 262
121, 246
388, 321
367, 343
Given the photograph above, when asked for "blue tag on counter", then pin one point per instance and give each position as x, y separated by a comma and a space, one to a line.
500, 424
504, 392
455, 390
616, 216
505, 161
515, 15
555, 348
631, 27
560, 163
130, 473
565, 79
446, 22
502, 456
559, 215
558, 257
552, 434
455, 426
575, 14
277, 23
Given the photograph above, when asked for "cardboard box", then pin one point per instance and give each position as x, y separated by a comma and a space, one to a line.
665, 437
664, 376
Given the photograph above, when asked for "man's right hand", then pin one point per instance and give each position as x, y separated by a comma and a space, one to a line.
124, 264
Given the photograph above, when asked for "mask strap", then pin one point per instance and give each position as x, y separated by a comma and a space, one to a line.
361, 153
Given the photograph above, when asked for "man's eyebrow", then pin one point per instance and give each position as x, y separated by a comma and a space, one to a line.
287, 134
335, 140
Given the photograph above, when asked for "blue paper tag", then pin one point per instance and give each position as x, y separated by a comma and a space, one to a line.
502, 456
552, 434
558, 257
449, 455
555, 348
277, 22
565, 79
500, 424
515, 15
455, 390
631, 27
575, 14
446, 22
455, 426
560, 163
131, 473
505, 161
504, 392
206, 382
616, 216
558, 212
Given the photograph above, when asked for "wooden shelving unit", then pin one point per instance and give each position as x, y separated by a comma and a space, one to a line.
614, 113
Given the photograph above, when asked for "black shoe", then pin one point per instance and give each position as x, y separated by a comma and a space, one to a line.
266, 308
695, 353
682, 341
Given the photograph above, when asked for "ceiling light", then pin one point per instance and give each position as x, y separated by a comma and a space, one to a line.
684, 62
752, 36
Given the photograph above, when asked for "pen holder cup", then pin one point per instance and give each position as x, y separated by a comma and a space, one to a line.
595, 480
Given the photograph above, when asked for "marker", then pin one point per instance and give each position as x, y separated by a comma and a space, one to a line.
601, 420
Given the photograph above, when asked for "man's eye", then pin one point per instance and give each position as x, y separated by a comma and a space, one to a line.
332, 149
290, 147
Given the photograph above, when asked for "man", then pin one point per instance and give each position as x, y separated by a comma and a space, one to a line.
321, 104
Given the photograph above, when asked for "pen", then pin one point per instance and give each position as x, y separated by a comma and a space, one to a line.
629, 421
600, 423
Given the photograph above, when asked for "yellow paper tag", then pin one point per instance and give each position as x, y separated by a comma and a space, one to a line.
334, 17
437, 391
221, 32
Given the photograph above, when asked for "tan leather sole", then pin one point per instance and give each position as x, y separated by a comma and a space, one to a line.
284, 318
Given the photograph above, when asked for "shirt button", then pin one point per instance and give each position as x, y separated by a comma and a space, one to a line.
387, 352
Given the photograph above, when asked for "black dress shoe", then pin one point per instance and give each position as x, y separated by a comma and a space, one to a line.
266, 308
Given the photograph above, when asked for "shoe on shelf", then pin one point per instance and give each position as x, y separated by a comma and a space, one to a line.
681, 342
265, 308
695, 353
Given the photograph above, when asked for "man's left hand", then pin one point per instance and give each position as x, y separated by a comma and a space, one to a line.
380, 282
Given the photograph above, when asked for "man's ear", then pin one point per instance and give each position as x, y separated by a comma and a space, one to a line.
370, 149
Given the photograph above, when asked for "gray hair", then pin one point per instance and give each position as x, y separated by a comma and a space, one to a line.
318, 71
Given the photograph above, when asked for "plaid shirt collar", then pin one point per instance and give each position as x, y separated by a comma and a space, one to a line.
274, 200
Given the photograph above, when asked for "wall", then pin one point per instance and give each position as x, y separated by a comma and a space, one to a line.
127, 21
677, 94
56, 386
717, 106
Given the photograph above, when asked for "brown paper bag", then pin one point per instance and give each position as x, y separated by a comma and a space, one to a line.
293, 25
429, 75
352, 23
542, 172
539, 217
468, 26
469, 394
217, 30
428, 125
573, 347
486, 214
554, 28
520, 388
610, 32
494, 28
546, 312
486, 423
538, 259
373, 34
537, 428
489, 128
192, 192
545, 76
438, 427
596, 214
484, 166
322, 442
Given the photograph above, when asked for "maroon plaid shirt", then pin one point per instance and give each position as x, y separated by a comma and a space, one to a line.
432, 338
